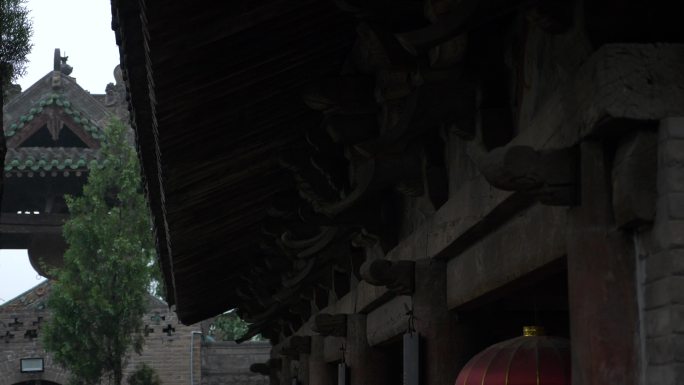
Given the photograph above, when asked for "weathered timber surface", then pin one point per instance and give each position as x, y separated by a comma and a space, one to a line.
531, 240
332, 349
619, 81
571, 114
194, 89
445, 341
389, 320
330, 324
634, 179
601, 266
365, 362
319, 372
454, 221
32, 224
631, 81
397, 276
608, 86
229, 363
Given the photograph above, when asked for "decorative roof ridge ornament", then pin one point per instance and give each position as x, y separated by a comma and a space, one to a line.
59, 67
60, 63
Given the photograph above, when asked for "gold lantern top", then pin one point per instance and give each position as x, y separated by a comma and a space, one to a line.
533, 331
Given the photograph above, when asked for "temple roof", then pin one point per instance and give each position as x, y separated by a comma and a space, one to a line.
49, 159
33, 298
54, 83
36, 298
53, 128
60, 102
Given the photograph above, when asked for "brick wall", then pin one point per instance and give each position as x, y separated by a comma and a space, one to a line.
662, 278
167, 346
16, 343
228, 363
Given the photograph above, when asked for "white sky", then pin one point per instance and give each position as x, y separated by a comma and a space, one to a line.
81, 29
16, 274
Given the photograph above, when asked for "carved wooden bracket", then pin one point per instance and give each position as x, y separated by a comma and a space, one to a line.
260, 368
296, 346
301, 344
634, 179
397, 276
330, 324
267, 368
548, 175
456, 18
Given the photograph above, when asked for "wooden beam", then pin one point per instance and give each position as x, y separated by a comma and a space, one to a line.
32, 224
389, 320
397, 276
330, 324
532, 240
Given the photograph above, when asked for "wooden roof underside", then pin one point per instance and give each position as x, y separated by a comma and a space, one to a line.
224, 101
276, 138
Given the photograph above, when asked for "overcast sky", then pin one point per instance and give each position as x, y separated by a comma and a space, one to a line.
82, 30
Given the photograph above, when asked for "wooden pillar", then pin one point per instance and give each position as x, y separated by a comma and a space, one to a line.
304, 369
285, 371
601, 282
366, 365
319, 370
443, 339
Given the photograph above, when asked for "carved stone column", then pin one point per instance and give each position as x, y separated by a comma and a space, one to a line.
366, 365
601, 282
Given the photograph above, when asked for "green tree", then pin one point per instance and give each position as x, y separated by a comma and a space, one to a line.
15, 45
15, 41
100, 293
229, 327
144, 375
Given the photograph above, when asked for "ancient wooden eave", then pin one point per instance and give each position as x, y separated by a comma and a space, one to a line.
277, 139
54, 89
56, 103
51, 161
215, 97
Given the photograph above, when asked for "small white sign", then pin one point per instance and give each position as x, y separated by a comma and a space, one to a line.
31, 365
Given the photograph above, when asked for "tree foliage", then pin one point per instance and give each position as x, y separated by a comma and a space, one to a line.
144, 375
15, 45
229, 327
15, 40
100, 294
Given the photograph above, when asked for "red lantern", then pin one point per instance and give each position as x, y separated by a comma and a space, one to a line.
532, 359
